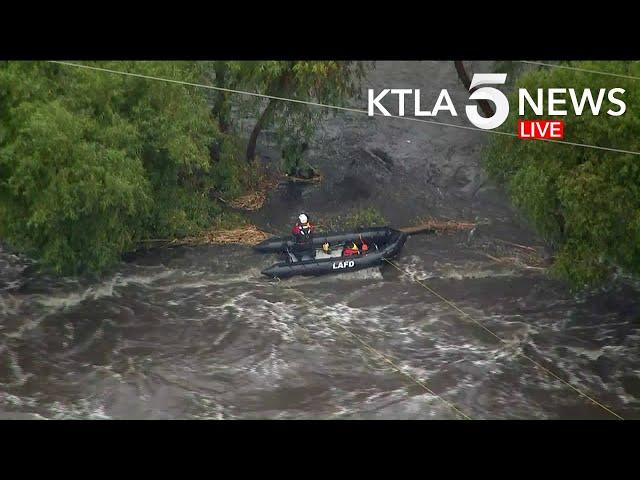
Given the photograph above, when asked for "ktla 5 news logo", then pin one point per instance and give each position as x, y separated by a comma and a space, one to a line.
555, 99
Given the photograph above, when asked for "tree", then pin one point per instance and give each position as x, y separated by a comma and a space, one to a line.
326, 82
584, 202
466, 83
91, 162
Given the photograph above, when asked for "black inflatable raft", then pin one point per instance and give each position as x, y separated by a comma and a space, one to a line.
383, 242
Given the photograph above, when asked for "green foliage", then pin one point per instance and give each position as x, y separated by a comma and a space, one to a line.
327, 82
358, 218
91, 163
584, 202
293, 161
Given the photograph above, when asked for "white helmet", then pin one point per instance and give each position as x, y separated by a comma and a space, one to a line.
303, 218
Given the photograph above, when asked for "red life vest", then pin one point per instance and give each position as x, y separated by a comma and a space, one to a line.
302, 232
347, 251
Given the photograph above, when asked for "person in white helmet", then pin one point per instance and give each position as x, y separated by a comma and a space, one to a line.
303, 234
303, 230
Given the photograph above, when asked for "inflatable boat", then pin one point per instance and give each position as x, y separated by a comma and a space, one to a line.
382, 242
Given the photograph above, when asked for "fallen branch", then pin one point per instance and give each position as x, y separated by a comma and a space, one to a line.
293, 179
513, 261
500, 260
251, 201
376, 157
431, 226
531, 267
217, 196
249, 235
531, 249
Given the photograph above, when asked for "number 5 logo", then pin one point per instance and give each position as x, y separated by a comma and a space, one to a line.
487, 93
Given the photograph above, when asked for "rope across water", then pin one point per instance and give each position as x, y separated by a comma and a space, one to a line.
484, 327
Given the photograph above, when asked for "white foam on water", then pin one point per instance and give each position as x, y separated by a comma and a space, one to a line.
270, 369
325, 320
20, 416
437, 316
86, 343
372, 273
385, 395
591, 354
215, 280
396, 403
257, 312
30, 324
378, 323
222, 336
82, 409
500, 401
14, 366
95, 292
9, 305
625, 397
74, 298
10, 285
416, 269
108, 288
210, 409
580, 374
468, 385
425, 405
341, 411
9, 400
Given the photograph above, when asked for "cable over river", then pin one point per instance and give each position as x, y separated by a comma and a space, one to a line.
197, 332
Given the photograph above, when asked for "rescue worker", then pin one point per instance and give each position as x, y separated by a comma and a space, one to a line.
303, 230
303, 235
363, 247
350, 250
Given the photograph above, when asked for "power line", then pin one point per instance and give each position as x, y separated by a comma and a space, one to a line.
336, 107
579, 69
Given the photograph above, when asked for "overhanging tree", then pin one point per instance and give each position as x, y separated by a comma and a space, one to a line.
328, 82
585, 202
91, 162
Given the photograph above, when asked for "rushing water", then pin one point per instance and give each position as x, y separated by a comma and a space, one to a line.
199, 333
